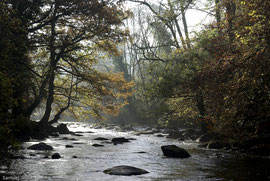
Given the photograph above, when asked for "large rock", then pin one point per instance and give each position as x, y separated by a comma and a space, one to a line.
125, 170
56, 156
174, 151
40, 146
119, 140
62, 129
101, 139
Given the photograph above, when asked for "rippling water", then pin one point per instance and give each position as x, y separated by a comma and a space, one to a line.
91, 161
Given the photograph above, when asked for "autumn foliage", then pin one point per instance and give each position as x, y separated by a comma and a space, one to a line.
235, 79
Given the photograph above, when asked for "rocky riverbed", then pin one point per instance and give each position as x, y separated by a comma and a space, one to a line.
87, 155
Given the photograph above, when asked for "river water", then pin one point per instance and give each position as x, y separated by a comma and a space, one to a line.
92, 161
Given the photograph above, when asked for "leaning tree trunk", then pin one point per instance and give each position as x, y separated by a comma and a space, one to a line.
185, 23
53, 62
201, 108
45, 119
57, 116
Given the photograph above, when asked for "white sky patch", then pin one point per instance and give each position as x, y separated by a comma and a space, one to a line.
196, 19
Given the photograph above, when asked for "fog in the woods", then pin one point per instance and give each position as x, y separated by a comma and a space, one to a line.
134, 90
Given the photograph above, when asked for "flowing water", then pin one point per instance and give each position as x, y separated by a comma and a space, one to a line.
92, 161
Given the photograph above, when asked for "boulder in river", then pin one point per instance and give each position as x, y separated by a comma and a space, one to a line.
56, 156
40, 146
101, 139
160, 135
78, 143
140, 152
119, 140
174, 151
97, 145
62, 129
69, 146
125, 170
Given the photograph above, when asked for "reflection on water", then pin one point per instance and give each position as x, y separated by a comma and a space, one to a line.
203, 165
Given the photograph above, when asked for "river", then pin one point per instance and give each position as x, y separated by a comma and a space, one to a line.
92, 161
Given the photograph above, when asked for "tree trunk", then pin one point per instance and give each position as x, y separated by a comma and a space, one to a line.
218, 16
39, 98
45, 119
230, 13
185, 23
180, 34
53, 61
57, 116
169, 25
201, 109
177, 28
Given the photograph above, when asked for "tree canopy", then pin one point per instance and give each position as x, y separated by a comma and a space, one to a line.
49, 50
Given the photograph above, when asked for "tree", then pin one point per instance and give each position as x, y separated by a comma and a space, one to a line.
14, 75
235, 77
64, 40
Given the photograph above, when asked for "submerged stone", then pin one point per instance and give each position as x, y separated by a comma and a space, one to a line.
125, 170
97, 145
101, 139
40, 146
69, 146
